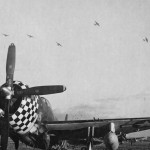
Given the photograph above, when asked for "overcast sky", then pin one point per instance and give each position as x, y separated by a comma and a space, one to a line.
105, 68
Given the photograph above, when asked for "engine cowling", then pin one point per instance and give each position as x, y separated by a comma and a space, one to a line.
111, 141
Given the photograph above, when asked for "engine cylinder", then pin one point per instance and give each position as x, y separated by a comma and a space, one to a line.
111, 141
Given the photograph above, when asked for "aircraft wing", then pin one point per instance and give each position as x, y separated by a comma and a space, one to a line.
79, 128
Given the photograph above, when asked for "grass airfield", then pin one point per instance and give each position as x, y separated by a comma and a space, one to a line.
144, 145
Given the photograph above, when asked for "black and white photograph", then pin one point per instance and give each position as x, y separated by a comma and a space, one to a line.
74, 74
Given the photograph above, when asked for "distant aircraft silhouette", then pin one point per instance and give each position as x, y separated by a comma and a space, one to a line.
96, 23
58, 44
30, 36
5, 34
145, 39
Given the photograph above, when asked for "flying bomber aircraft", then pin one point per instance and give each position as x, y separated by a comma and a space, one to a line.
30, 36
5, 34
31, 120
58, 44
145, 39
96, 23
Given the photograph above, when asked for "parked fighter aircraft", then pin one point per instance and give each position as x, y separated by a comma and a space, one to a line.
31, 120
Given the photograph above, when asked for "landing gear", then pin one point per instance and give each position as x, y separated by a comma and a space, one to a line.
46, 139
90, 138
90, 146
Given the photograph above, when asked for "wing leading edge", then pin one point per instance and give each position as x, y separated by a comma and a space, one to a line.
79, 129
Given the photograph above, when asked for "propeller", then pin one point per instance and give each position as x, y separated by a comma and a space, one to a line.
40, 90
10, 67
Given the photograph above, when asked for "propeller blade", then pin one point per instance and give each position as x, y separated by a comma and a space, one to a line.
41, 90
10, 65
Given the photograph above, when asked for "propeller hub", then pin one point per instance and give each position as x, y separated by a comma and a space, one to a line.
8, 92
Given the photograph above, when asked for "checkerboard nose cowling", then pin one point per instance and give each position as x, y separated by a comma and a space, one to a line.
25, 116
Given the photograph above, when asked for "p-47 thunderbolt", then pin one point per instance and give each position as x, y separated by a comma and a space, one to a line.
29, 117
